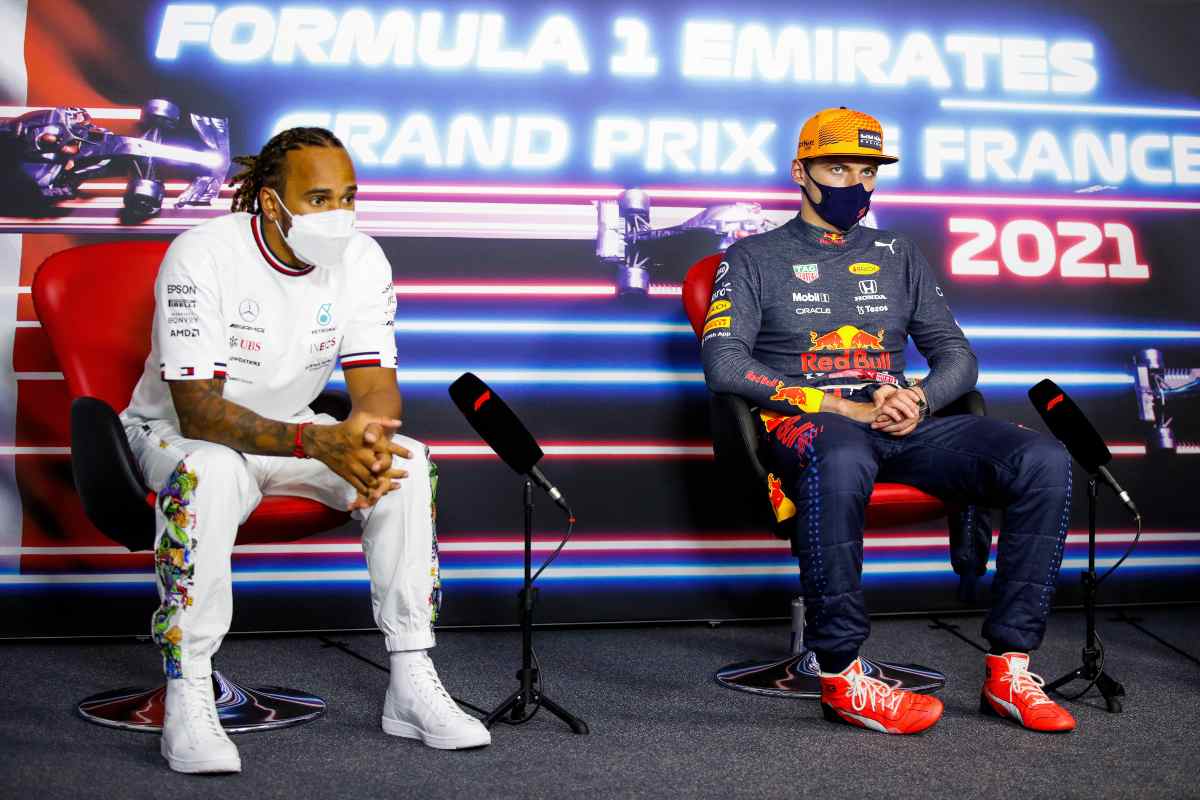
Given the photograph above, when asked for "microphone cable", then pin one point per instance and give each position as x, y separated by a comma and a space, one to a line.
1099, 672
1136, 538
550, 559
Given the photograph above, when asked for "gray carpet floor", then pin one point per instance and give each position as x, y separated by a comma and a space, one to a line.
661, 727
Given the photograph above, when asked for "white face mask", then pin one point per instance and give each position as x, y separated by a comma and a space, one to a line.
319, 239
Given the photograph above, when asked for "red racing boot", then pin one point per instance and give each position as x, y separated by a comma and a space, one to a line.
853, 698
1011, 691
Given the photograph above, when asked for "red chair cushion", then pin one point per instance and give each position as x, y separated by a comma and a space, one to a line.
284, 519
896, 504
697, 289
96, 304
891, 504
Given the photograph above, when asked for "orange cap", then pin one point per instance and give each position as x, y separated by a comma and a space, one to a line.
842, 132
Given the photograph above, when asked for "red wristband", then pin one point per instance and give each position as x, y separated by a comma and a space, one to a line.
298, 448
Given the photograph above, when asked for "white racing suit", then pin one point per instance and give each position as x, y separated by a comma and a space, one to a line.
206, 491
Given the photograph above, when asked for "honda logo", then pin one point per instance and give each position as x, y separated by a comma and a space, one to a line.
868, 287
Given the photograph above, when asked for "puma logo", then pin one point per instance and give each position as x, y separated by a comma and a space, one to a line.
891, 246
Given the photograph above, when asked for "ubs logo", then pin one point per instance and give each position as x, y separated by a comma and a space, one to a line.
248, 310
325, 314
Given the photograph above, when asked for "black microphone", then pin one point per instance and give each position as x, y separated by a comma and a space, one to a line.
499, 427
1069, 425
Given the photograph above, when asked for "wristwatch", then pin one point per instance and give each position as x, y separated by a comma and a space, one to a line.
922, 408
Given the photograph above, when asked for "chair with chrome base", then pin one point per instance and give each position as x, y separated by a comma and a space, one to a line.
114, 282
736, 446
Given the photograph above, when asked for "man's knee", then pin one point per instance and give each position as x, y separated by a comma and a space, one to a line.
1043, 462
417, 463
845, 467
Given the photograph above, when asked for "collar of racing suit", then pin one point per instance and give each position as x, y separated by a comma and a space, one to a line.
823, 238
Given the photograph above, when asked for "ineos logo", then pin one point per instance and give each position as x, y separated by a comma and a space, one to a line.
248, 310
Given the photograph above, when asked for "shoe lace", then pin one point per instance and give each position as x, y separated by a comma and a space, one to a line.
865, 690
1025, 683
425, 676
201, 707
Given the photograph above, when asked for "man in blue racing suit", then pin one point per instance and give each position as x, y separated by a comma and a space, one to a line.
809, 323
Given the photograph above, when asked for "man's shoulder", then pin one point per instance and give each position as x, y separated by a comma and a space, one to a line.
759, 248
363, 245
222, 227
365, 257
762, 244
215, 237
894, 242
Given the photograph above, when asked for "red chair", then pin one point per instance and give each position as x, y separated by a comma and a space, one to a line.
111, 288
736, 446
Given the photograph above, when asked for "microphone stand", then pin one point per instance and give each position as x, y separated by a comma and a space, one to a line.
1092, 669
529, 692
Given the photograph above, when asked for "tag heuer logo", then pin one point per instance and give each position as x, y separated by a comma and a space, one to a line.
806, 272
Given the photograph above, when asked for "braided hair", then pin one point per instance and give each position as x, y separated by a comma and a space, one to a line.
266, 168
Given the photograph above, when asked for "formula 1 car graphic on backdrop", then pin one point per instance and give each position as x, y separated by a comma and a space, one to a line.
1154, 384
623, 234
623, 229
48, 153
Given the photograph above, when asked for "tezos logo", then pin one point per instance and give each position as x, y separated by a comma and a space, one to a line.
248, 310
325, 314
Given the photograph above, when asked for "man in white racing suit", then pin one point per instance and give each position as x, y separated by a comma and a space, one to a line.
253, 310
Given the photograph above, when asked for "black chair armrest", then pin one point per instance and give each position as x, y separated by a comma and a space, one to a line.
107, 477
735, 433
735, 438
332, 402
970, 403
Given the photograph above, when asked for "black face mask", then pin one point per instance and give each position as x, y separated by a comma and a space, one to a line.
840, 206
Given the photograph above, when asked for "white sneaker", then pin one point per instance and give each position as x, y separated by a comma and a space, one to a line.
193, 739
417, 706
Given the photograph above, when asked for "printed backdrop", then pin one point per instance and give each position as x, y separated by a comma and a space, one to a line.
1050, 169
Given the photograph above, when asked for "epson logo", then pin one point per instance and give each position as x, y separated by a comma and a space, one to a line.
180, 288
810, 297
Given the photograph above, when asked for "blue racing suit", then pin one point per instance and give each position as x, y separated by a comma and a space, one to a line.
798, 312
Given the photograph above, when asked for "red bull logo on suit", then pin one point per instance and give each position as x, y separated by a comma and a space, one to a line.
855, 346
